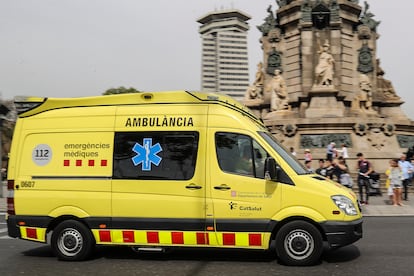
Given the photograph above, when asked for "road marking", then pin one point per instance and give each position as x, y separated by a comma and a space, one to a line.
3, 230
5, 238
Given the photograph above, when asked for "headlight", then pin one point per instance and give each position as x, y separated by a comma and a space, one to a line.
345, 204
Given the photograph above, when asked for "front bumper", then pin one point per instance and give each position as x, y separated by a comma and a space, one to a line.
339, 233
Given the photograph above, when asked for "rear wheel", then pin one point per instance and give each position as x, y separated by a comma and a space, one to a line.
72, 241
299, 243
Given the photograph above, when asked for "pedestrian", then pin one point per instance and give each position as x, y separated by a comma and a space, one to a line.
344, 151
407, 170
308, 165
388, 186
308, 155
364, 168
396, 181
330, 168
330, 151
321, 170
292, 151
342, 172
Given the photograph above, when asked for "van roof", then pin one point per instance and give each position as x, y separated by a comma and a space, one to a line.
28, 106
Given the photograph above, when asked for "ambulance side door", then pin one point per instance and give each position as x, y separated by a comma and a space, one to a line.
243, 201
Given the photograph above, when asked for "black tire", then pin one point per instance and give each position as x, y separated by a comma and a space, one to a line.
72, 241
299, 243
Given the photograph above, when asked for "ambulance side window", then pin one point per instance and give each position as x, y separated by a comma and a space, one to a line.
163, 155
240, 154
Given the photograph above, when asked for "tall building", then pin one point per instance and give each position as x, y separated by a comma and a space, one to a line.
225, 65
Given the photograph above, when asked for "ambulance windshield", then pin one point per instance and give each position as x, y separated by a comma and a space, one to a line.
284, 153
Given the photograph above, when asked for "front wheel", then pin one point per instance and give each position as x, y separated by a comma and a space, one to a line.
72, 241
299, 243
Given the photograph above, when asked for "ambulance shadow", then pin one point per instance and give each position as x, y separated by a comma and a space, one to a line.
42, 251
190, 254
122, 252
341, 255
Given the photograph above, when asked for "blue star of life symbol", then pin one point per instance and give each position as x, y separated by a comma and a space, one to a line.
146, 154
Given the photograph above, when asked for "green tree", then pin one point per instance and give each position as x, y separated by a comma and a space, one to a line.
120, 90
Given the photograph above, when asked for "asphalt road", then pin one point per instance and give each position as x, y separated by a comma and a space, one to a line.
386, 249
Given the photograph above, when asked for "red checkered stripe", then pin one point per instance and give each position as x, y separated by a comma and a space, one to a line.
181, 238
83, 163
33, 233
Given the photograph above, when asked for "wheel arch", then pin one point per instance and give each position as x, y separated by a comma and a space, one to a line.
285, 221
58, 220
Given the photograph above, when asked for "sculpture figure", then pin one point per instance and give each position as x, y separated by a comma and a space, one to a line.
279, 96
367, 18
385, 86
324, 68
270, 22
365, 98
252, 93
259, 75
255, 91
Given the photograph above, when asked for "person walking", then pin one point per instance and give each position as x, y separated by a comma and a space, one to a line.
364, 168
396, 176
407, 170
330, 151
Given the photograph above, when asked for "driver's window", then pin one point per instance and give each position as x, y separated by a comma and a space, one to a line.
260, 156
240, 154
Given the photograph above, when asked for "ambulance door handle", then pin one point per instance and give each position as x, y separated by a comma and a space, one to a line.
222, 187
193, 186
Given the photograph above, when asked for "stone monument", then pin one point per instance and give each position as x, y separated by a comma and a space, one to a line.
320, 81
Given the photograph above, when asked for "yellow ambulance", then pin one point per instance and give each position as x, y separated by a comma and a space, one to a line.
166, 169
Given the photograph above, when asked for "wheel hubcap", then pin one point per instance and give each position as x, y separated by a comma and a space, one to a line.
70, 242
299, 244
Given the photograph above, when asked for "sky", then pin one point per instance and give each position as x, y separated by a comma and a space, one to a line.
75, 48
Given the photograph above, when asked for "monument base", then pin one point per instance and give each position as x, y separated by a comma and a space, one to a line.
324, 103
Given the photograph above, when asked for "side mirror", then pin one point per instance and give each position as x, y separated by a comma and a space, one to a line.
271, 169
